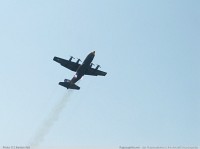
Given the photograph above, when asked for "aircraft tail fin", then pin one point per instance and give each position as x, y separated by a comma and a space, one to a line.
69, 85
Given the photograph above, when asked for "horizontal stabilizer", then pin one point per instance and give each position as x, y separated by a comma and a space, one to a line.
69, 85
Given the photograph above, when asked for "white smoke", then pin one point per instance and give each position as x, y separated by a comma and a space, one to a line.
48, 123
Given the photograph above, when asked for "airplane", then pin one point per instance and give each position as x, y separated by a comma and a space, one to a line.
81, 69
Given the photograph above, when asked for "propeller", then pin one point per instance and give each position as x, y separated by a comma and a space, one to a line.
71, 57
91, 65
79, 60
98, 66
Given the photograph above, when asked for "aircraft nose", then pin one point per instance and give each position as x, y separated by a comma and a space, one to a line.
93, 52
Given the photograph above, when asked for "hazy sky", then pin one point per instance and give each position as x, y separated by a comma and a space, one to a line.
150, 49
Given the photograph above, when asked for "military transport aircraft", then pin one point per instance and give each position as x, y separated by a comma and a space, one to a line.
81, 69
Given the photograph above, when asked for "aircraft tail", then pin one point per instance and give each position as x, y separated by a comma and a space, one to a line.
69, 85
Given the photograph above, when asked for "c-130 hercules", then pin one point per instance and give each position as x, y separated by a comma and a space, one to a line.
81, 69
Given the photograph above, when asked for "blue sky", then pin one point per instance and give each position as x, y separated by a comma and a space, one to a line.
150, 50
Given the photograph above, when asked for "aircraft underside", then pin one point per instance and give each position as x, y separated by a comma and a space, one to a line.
81, 69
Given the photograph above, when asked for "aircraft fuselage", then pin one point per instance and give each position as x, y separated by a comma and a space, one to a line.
82, 69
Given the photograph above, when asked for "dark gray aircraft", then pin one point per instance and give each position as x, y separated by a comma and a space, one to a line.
81, 69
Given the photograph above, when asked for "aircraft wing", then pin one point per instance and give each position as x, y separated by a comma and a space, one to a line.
67, 64
95, 72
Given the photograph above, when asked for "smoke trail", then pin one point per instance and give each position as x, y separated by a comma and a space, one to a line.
52, 117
